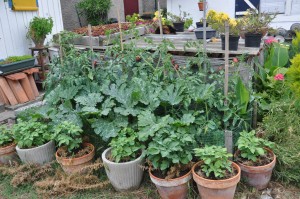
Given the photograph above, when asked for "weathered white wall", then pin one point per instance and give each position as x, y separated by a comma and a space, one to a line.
13, 26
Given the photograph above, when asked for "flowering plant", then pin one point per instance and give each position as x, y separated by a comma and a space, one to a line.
164, 20
217, 21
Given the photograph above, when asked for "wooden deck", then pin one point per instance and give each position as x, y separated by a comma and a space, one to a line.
180, 41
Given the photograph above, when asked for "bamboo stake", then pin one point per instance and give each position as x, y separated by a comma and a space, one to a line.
60, 50
91, 44
204, 34
159, 20
120, 29
226, 59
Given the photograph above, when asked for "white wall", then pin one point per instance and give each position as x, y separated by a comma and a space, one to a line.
13, 26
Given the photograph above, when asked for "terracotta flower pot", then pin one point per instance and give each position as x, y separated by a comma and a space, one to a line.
201, 6
258, 176
216, 189
174, 188
37, 155
8, 153
75, 165
39, 43
124, 176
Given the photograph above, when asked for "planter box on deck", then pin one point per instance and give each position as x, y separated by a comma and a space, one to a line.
6, 69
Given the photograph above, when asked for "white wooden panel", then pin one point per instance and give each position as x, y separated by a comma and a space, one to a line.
296, 8
13, 26
272, 6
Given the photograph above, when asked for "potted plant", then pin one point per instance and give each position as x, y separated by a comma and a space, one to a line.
16, 63
200, 24
34, 144
201, 5
73, 155
255, 26
39, 28
7, 145
169, 153
255, 158
215, 175
167, 25
180, 21
217, 21
123, 161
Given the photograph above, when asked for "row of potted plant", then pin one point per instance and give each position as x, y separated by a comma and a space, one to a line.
34, 142
252, 27
171, 166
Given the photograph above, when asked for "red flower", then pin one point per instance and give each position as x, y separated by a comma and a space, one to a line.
279, 77
235, 60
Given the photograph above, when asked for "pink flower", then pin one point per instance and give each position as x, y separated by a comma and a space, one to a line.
270, 40
235, 60
279, 77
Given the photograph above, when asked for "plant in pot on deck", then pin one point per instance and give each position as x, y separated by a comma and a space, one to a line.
7, 145
34, 143
215, 175
73, 155
255, 25
217, 21
255, 158
180, 21
201, 5
169, 152
39, 28
123, 160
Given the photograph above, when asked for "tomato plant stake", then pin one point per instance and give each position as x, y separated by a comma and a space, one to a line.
120, 29
159, 21
91, 44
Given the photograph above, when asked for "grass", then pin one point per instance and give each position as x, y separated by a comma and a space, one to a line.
146, 191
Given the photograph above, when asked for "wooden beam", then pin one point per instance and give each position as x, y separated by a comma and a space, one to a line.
7, 91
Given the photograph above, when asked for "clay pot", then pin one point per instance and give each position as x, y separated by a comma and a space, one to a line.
75, 165
39, 43
8, 154
174, 188
201, 6
124, 176
37, 155
216, 189
258, 176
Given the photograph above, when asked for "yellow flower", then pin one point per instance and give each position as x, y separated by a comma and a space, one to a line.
232, 22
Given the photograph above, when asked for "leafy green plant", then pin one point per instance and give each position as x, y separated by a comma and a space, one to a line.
126, 146
215, 161
293, 75
133, 18
182, 17
252, 147
6, 136
31, 133
94, 10
39, 27
13, 59
68, 135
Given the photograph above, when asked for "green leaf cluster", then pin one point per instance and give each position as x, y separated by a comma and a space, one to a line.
215, 161
293, 75
126, 146
252, 147
31, 133
6, 136
13, 59
40, 27
68, 135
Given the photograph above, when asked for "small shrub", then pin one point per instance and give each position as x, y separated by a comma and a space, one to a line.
6, 136
39, 27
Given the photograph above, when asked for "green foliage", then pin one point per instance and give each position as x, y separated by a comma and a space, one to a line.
6, 136
13, 59
252, 147
182, 17
68, 135
276, 56
215, 161
243, 95
39, 27
31, 133
94, 10
133, 18
126, 146
281, 125
171, 141
295, 47
293, 75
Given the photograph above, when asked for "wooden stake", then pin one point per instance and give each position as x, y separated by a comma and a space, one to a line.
120, 29
60, 50
204, 33
226, 59
91, 44
160, 21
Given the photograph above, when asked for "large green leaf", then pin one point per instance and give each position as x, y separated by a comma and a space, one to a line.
172, 94
243, 95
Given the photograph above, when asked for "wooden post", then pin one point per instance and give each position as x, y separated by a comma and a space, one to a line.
204, 34
91, 44
120, 29
60, 50
159, 21
228, 141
